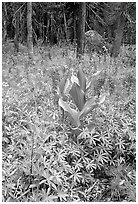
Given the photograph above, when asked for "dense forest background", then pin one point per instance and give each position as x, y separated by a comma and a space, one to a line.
59, 22
69, 101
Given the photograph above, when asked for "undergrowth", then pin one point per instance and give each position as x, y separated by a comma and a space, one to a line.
43, 160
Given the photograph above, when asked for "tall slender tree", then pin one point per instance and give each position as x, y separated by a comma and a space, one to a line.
119, 31
65, 24
4, 22
16, 37
80, 28
30, 30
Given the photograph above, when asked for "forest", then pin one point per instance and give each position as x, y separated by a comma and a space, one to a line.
68, 101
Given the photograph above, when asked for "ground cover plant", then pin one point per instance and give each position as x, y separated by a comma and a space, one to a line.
47, 155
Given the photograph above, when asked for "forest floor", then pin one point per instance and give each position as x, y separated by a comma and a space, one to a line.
41, 160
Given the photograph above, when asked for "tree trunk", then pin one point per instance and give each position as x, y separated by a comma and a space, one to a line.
80, 28
52, 29
65, 24
74, 26
30, 30
4, 22
119, 32
23, 29
43, 29
16, 37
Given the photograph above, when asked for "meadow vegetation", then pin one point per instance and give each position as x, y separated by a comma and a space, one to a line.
45, 158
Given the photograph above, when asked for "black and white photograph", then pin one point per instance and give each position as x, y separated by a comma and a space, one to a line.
68, 101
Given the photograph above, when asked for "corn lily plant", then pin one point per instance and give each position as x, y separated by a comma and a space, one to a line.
78, 91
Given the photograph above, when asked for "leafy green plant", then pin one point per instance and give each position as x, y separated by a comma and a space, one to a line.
78, 91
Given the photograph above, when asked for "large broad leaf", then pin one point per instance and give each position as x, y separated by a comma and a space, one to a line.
74, 79
89, 105
78, 96
63, 85
73, 114
67, 84
82, 79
